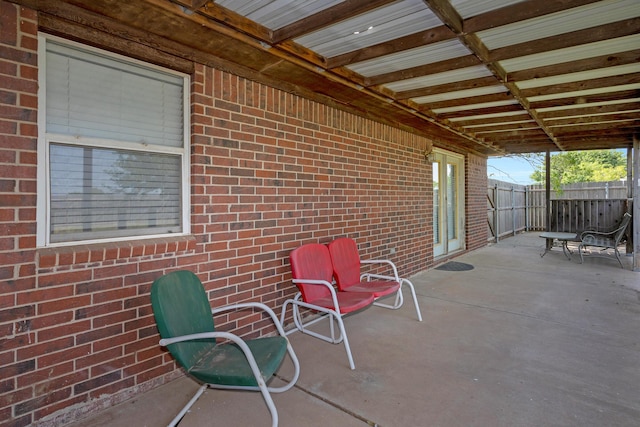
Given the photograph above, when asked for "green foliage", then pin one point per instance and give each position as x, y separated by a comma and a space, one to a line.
583, 166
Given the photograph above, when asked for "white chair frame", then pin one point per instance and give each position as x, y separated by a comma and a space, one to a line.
331, 314
399, 298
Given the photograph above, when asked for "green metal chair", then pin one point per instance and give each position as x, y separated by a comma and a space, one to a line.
216, 359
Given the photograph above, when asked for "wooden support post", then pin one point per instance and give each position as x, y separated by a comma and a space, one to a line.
547, 190
629, 245
635, 188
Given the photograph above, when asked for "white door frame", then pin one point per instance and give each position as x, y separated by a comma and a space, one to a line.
448, 232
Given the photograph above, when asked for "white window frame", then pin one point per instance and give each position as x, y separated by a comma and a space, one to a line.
43, 229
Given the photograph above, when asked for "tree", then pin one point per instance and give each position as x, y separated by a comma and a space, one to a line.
583, 166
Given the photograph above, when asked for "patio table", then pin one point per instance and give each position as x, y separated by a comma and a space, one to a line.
560, 236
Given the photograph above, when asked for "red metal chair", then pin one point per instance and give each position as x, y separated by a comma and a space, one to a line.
312, 273
346, 271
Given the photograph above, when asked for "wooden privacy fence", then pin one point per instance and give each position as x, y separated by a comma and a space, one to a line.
513, 208
575, 216
507, 211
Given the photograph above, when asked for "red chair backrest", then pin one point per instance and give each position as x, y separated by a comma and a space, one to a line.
311, 261
346, 262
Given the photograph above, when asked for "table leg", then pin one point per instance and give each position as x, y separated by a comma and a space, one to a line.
565, 249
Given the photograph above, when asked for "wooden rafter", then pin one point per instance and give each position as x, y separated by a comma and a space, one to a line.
337, 13
423, 70
594, 63
562, 41
519, 12
432, 35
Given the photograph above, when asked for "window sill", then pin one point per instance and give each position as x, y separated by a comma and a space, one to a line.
82, 254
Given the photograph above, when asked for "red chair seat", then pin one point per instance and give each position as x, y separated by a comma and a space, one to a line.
348, 302
376, 287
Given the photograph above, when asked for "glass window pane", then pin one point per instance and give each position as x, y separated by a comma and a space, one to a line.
452, 200
102, 193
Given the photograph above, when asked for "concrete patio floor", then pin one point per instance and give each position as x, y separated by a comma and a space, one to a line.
518, 341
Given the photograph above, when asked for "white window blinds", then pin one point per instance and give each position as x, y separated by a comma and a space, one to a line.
89, 95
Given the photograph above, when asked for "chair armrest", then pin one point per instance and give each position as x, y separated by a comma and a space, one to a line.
258, 305
201, 336
381, 261
334, 298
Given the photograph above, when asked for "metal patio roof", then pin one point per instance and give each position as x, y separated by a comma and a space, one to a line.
493, 76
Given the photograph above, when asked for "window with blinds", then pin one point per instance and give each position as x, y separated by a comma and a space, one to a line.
115, 143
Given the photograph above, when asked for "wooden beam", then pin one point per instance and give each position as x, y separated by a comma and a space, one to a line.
107, 33
600, 118
448, 87
197, 4
593, 128
595, 143
524, 117
589, 99
561, 41
229, 19
519, 11
423, 70
529, 135
481, 111
447, 14
472, 100
595, 63
597, 83
586, 111
340, 12
493, 127
423, 38
601, 134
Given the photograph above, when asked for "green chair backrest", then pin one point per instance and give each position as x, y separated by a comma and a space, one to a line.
181, 307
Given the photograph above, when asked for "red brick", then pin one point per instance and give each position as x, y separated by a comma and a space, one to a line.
63, 331
63, 304
41, 401
114, 341
93, 383
45, 294
64, 277
59, 405
112, 388
9, 33
49, 377
95, 358
72, 353
16, 369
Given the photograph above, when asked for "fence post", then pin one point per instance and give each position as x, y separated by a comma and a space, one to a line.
497, 210
513, 209
526, 208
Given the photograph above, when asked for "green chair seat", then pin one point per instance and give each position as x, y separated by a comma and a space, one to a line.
226, 364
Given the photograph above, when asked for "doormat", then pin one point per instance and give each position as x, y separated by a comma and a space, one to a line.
455, 266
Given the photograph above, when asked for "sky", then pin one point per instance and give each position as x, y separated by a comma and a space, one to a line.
510, 169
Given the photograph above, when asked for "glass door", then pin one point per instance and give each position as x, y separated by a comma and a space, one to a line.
448, 203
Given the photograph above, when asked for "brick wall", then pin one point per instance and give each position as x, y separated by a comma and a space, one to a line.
269, 172
476, 203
